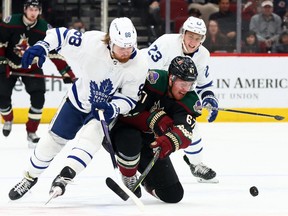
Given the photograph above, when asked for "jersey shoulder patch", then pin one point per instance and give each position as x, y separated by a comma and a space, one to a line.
7, 19
192, 102
15, 19
157, 80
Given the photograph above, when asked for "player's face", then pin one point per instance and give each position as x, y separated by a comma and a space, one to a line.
179, 88
32, 13
191, 41
122, 54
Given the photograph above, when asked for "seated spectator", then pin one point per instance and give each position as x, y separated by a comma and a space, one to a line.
285, 22
215, 40
282, 45
206, 7
266, 24
226, 20
280, 7
251, 44
250, 8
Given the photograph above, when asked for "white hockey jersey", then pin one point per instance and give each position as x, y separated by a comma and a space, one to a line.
167, 47
101, 78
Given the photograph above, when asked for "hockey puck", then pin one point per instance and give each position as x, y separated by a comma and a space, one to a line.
254, 191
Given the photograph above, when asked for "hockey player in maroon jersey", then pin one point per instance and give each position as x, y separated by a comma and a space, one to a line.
164, 117
17, 33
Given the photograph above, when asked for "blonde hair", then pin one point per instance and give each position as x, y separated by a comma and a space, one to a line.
106, 39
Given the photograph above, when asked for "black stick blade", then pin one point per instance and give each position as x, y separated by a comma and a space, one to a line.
279, 118
186, 160
116, 188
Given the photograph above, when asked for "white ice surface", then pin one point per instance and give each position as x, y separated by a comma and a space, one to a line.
242, 154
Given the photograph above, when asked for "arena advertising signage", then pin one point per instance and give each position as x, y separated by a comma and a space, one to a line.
251, 82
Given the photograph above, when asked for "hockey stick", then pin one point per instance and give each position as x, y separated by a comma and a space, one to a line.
186, 159
120, 184
35, 75
277, 117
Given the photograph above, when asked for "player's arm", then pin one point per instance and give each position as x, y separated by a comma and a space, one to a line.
179, 136
3, 45
63, 68
56, 39
205, 89
125, 98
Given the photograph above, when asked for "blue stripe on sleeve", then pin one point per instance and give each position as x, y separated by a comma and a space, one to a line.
59, 38
130, 101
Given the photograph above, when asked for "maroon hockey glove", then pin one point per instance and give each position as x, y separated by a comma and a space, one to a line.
166, 144
159, 122
172, 141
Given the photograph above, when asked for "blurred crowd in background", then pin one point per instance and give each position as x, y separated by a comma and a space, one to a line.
264, 23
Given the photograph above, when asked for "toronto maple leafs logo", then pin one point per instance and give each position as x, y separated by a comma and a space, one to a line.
100, 93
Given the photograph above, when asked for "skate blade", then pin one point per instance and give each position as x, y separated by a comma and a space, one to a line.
55, 193
210, 181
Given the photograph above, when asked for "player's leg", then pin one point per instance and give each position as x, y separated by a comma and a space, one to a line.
6, 111
64, 127
127, 144
194, 152
35, 87
88, 142
162, 180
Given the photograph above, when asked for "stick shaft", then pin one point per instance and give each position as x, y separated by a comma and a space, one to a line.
277, 117
107, 135
147, 169
114, 162
246, 112
35, 75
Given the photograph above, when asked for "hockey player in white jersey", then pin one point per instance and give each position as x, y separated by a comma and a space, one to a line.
189, 43
111, 73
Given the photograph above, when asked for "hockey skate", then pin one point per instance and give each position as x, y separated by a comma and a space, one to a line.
7, 127
129, 182
58, 187
60, 182
33, 139
22, 187
203, 173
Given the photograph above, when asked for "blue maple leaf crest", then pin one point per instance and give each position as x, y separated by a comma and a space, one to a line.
102, 93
